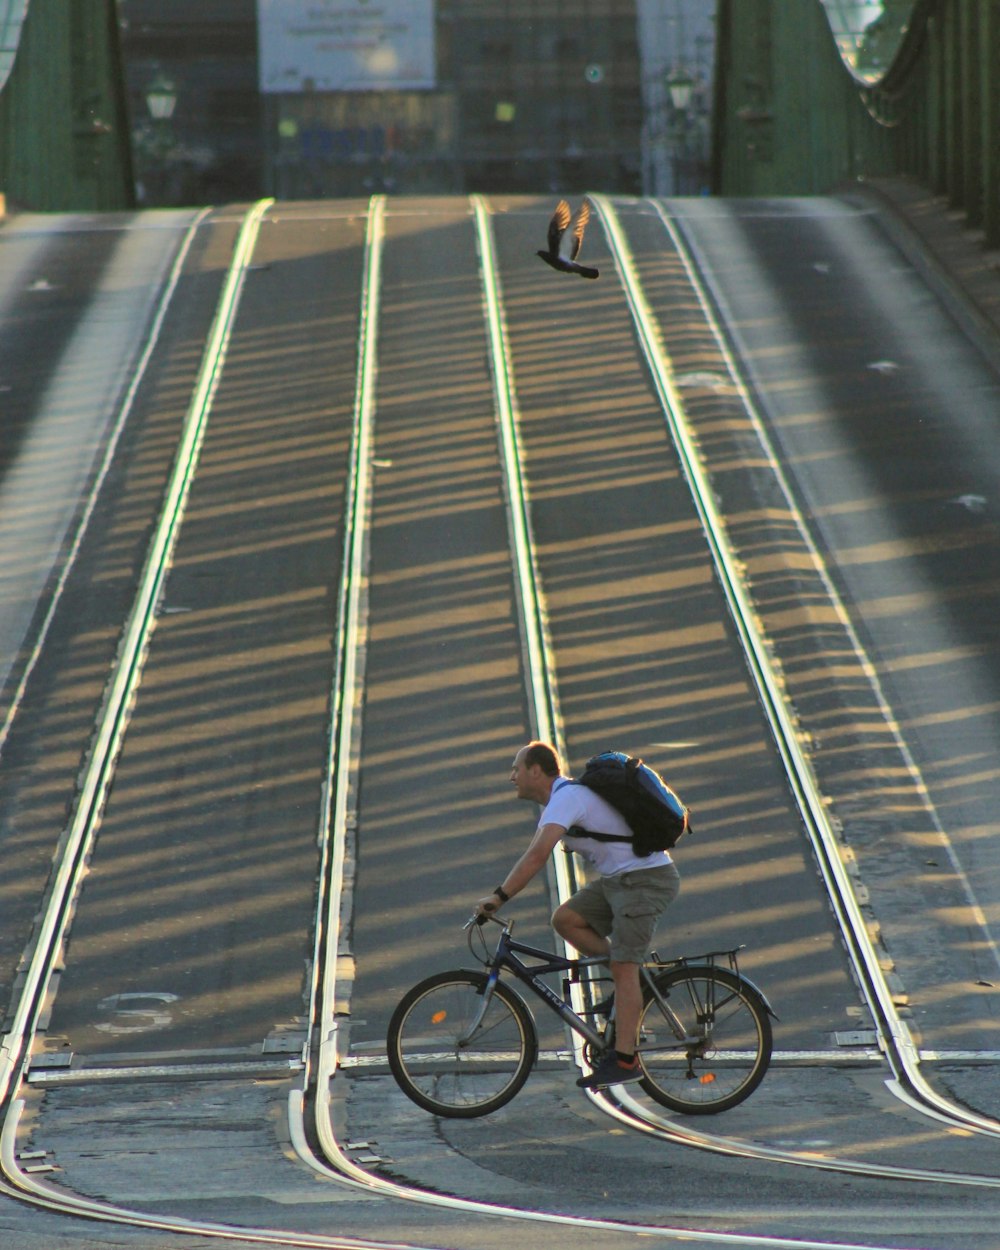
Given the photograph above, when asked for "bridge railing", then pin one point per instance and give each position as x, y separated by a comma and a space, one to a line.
64, 134
793, 118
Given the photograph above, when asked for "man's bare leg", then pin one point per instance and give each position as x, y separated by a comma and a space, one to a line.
628, 1005
571, 926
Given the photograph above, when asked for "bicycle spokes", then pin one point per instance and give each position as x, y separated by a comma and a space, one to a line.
462, 1043
708, 1040
458, 1053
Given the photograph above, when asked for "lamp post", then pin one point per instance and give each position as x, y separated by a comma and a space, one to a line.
161, 100
680, 85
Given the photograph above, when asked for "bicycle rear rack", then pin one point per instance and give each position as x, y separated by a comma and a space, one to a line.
730, 955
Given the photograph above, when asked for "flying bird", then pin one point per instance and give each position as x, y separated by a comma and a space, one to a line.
563, 251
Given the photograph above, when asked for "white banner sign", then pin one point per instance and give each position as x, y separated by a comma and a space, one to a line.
346, 45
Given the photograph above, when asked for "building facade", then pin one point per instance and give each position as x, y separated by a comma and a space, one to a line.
518, 95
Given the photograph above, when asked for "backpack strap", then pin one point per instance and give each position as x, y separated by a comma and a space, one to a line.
578, 831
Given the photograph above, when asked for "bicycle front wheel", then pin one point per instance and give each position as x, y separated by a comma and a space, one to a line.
448, 1063
725, 1043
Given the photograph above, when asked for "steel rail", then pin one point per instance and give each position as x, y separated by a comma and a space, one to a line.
19, 1183
710, 299
344, 739
346, 729
540, 682
909, 1086
907, 1082
95, 783
543, 694
345, 725
40, 1193
114, 713
544, 703
120, 421
539, 657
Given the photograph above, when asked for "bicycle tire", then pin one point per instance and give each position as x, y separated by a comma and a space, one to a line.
472, 1080
733, 1055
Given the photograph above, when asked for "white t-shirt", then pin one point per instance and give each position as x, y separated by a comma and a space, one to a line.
571, 804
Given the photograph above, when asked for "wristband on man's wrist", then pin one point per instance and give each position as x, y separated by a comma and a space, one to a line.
502, 894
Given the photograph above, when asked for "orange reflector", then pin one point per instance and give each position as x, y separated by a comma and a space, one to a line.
707, 1078
438, 1016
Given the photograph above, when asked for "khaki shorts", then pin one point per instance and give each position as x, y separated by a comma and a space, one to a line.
626, 907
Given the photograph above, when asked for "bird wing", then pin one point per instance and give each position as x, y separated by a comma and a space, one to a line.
557, 227
582, 217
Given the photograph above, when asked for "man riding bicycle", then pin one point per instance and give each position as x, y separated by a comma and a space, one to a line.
613, 915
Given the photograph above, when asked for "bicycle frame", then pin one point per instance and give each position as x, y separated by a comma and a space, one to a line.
704, 1035
506, 956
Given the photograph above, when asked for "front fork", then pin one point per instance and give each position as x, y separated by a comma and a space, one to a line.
487, 996
593, 1038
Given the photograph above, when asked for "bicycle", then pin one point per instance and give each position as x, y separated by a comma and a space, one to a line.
462, 1043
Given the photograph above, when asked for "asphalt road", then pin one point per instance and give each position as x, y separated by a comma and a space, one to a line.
194, 928
885, 419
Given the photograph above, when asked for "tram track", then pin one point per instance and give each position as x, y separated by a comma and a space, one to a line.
113, 718
138, 373
48, 952
542, 692
907, 1081
896, 1042
21, 1179
310, 1108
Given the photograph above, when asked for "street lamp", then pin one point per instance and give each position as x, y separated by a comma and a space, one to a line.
161, 99
680, 85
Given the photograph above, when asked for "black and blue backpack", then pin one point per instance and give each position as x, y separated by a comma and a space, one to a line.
656, 816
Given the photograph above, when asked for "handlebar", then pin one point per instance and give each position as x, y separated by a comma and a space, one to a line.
479, 946
479, 920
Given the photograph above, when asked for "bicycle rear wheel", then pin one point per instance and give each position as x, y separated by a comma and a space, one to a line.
726, 1046
446, 1069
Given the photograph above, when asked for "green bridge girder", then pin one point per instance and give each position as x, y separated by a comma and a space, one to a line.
791, 118
64, 135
